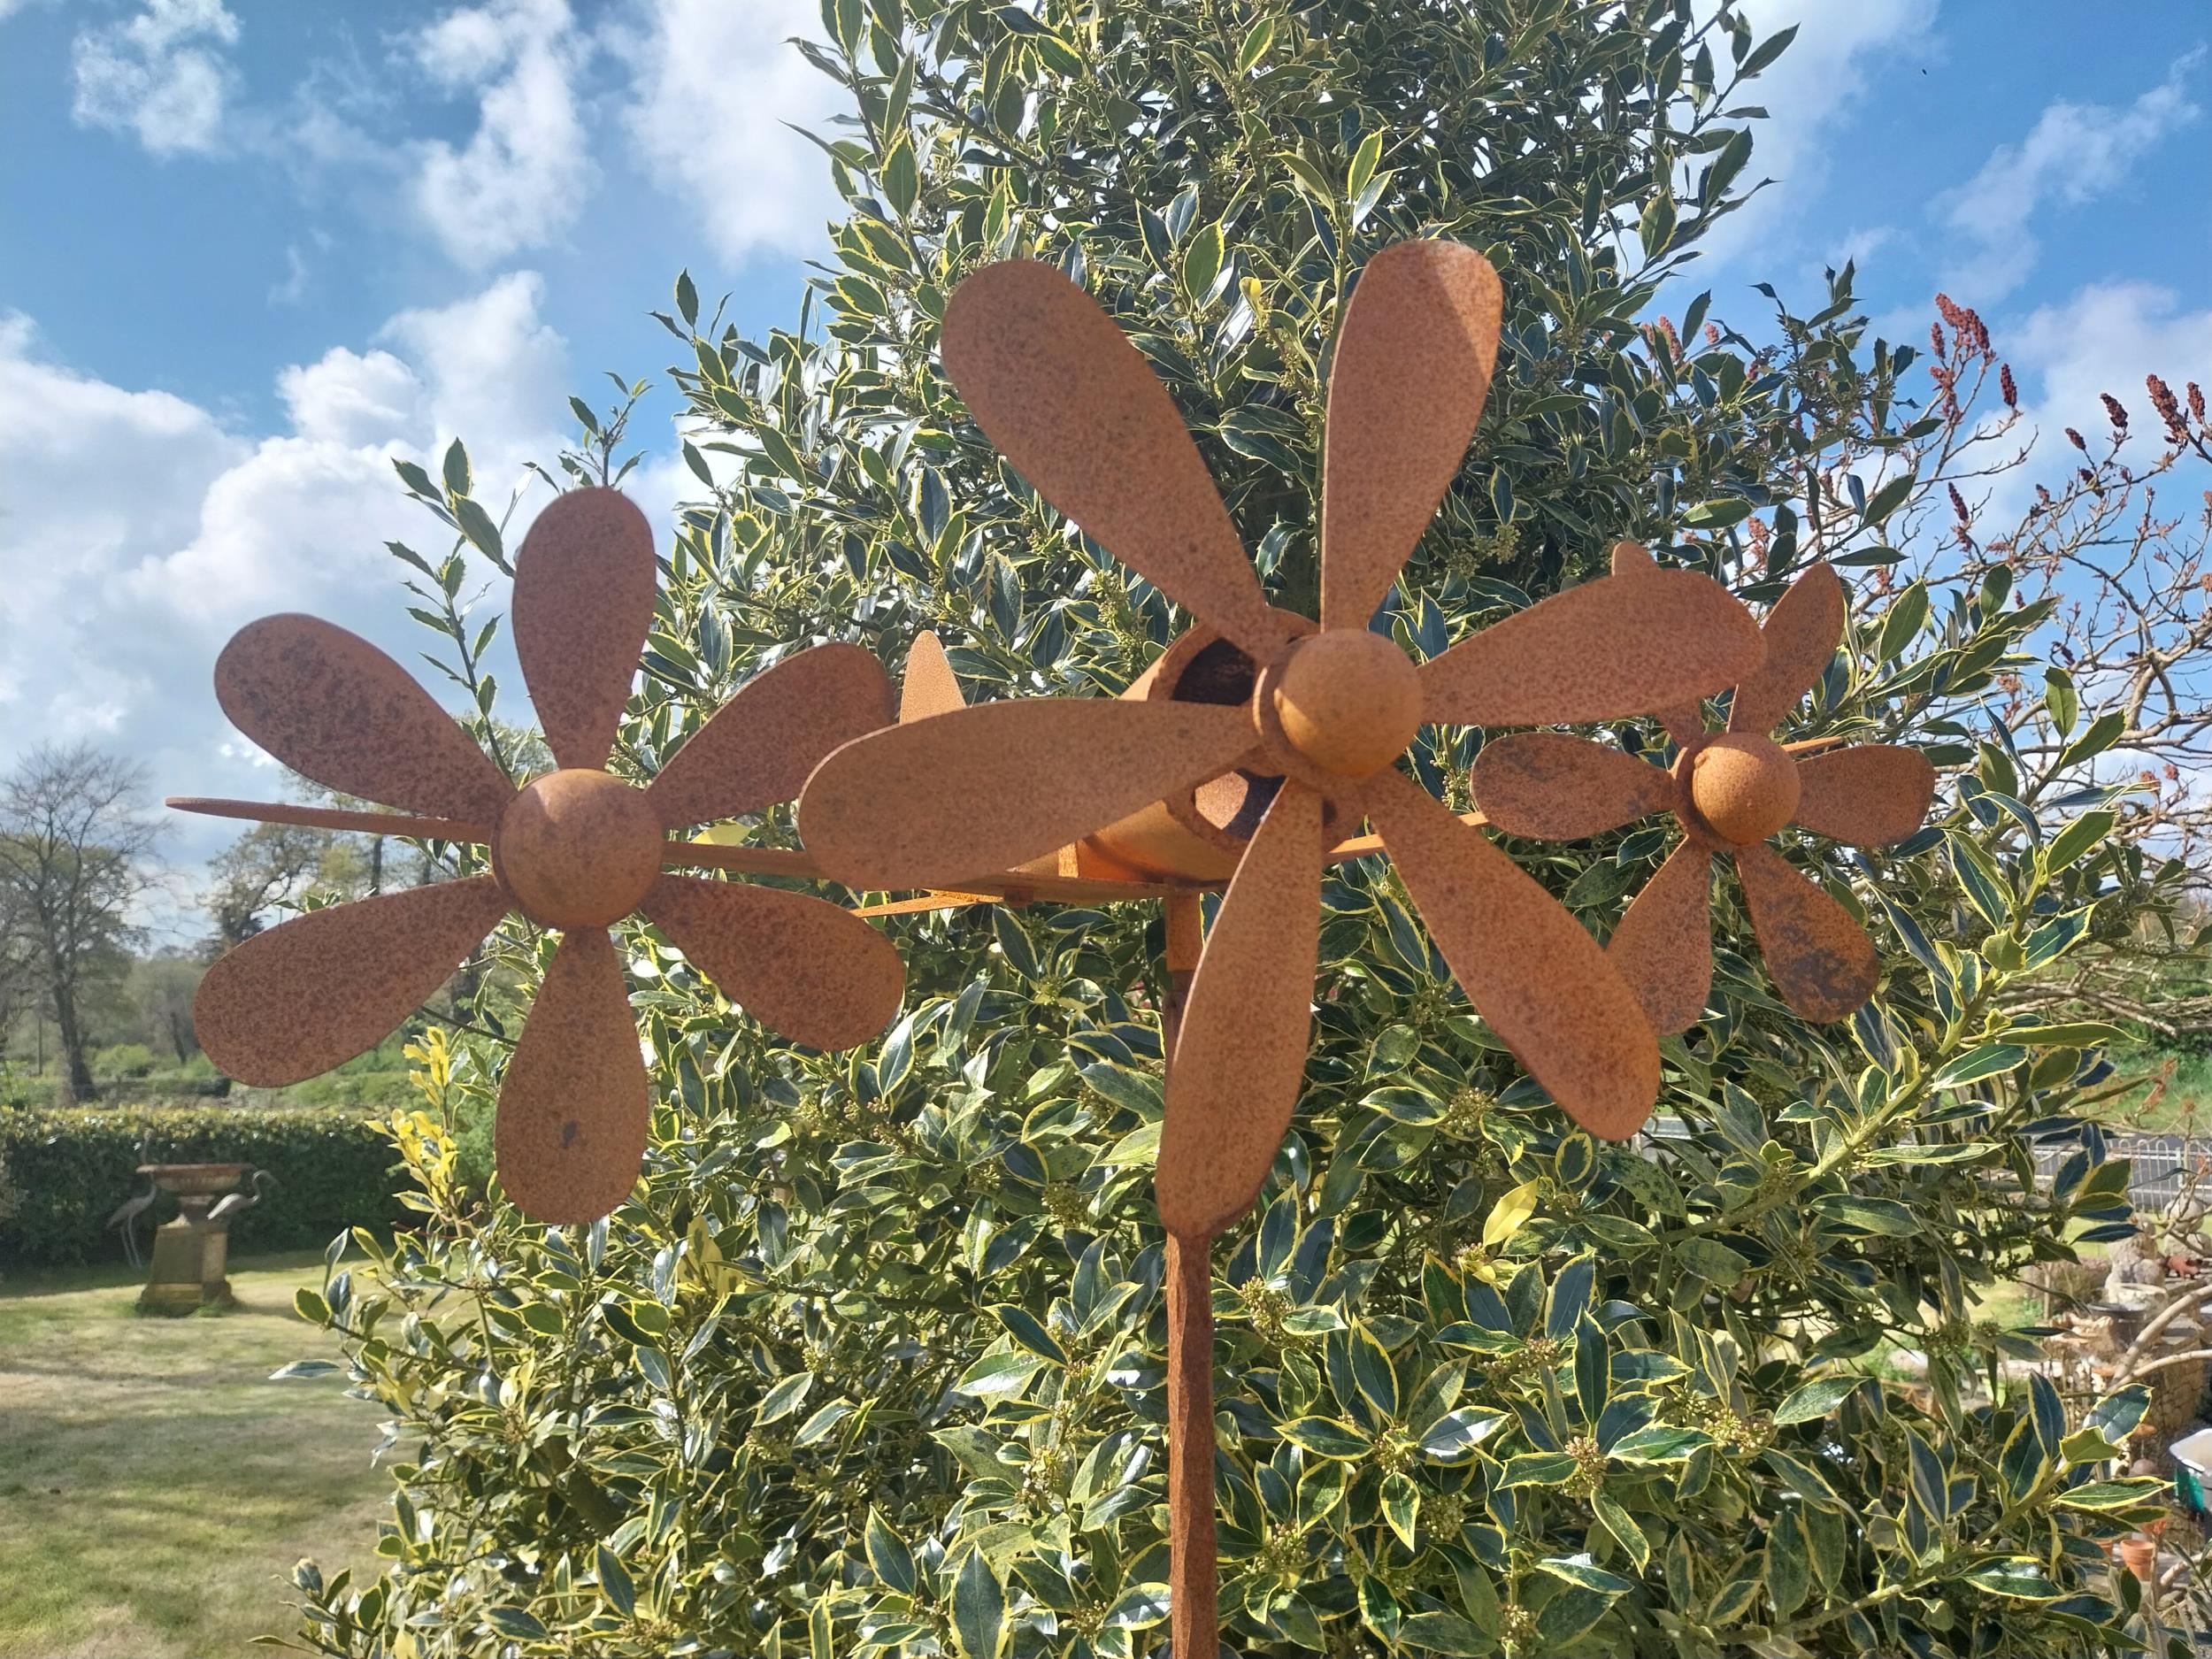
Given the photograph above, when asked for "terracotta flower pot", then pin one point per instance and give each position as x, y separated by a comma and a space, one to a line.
2140, 1556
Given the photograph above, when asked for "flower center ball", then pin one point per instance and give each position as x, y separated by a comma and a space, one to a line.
1349, 701
578, 848
1744, 788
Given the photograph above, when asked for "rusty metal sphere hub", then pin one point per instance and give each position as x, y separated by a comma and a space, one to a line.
1739, 786
578, 847
1348, 700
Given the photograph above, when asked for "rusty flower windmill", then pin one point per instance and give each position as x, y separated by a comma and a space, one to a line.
1730, 791
1312, 729
575, 851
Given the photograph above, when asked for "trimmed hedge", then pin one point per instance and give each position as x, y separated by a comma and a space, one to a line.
64, 1170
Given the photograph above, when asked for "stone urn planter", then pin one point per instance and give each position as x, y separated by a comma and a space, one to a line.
191, 1252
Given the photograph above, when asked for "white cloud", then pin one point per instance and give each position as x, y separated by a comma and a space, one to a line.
521, 178
140, 531
714, 85
1810, 92
161, 74
2075, 153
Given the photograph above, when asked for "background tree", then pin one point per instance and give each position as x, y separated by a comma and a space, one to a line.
871, 1362
75, 852
270, 867
161, 986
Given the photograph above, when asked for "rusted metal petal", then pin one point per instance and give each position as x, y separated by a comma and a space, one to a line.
992, 786
1525, 964
1617, 645
574, 1106
1233, 1078
800, 965
1077, 410
1820, 957
1802, 634
1869, 795
1684, 721
1555, 787
311, 993
1663, 946
929, 686
584, 585
758, 748
333, 708
1406, 387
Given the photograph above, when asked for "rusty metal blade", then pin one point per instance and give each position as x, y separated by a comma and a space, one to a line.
929, 686
758, 748
1820, 957
989, 787
1406, 387
574, 1106
1684, 721
1869, 795
1617, 645
1555, 787
1077, 410
800, 965
1801, 635
1525, 964
1663, 946
1233, 1078
333, 708
584, 586
311, 993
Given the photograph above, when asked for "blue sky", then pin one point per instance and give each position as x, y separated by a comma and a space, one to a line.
249, 250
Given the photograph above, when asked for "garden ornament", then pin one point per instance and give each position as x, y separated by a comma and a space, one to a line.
1308, 734
574, 851
1730, 791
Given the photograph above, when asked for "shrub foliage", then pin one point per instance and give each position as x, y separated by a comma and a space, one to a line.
871, 1362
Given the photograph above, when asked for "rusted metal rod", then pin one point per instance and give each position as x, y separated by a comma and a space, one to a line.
1194, 1603
684, 855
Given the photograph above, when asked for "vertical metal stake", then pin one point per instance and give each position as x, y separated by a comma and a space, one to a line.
1194, 1620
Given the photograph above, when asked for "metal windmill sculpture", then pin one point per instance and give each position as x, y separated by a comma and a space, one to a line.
1259, 741
575, 851
1730, 791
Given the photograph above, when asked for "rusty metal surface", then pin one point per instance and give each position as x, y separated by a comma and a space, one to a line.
1801, 635
1731, 792
1539, 981
576, 849
1058, 387
310, 993
1663, 944
583, 599
574, 1105
799, 965
1233, 1078
1018, 786
405, 826
1411, 370
757, 747
928, 686
1550, 787
1869, 795
1194, 1601
333, 708
1615, 647
943, 801
1820, 957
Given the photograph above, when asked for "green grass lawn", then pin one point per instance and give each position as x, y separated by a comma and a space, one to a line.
155, 1489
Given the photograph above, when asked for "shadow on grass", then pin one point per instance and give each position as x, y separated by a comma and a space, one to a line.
155, 1489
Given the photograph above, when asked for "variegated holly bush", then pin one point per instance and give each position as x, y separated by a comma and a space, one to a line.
871, 1362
